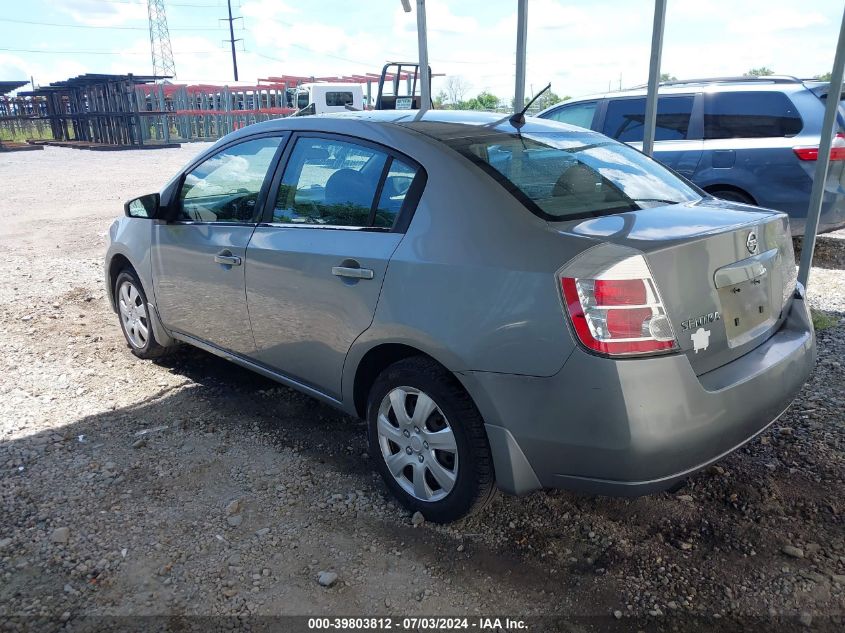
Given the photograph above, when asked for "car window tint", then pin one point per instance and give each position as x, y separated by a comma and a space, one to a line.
225, 187
400, 176
624, 119
580, 114
750, 115
329, 182
338, 98
566, 174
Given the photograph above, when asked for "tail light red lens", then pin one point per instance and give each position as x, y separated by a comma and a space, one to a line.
837, 150
619, 317
610, 292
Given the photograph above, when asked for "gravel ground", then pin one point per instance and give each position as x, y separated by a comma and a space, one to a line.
193, 487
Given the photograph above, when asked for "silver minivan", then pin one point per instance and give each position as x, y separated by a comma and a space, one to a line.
521, 307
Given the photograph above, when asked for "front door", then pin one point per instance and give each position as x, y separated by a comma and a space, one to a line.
198, 257
315, 268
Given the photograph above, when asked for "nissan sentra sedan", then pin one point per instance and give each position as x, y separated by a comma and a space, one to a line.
508, 307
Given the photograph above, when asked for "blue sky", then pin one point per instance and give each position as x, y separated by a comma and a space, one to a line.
581, 46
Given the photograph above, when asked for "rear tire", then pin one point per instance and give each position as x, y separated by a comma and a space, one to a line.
733, 195
428, 441
134, 314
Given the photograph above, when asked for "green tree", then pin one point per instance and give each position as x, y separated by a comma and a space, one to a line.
667, 77
763, 71
440, 100
824, 76
484, 101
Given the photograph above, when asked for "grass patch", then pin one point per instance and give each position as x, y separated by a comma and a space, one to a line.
822, 320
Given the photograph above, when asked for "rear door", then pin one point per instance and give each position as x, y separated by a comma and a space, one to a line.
677, 135
315, 266
198, 255
749, 137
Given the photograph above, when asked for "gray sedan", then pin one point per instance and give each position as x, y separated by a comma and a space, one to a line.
514, 307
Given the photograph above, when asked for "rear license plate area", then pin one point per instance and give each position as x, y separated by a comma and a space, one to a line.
746, 309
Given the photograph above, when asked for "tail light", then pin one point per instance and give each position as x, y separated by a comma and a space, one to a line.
837, 150
618, 311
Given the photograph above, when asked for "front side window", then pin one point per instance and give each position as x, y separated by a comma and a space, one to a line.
580, 114
338, 98
225, 187
329, 182
625, 117
560, 176
750, 115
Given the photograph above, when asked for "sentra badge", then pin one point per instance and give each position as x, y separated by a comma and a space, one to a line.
697, 322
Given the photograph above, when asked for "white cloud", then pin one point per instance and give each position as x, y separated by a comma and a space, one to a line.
44, 70
97, 13
776, 20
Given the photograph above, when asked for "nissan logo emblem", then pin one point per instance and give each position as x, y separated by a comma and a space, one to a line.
751, 242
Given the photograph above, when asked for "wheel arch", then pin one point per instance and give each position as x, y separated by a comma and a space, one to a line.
713, 188
375, 360
118, 262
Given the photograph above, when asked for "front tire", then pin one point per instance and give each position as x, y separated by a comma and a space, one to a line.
429, 442
134, 313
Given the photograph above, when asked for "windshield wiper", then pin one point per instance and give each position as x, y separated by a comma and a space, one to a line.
656, 200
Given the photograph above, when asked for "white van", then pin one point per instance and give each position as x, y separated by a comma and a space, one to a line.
328, 97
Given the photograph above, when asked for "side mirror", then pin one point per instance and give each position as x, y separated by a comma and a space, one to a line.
144, 207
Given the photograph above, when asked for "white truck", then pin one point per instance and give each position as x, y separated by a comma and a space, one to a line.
329, 97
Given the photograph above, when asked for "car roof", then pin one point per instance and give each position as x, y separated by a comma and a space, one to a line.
442, 125
716, 84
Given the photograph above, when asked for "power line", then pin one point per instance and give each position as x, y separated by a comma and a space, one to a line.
140, 3
95, 52
102, 26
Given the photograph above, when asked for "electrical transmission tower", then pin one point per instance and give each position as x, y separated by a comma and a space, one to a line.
162, 52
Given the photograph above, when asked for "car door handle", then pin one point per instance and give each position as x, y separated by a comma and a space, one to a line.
354, 273
227, 259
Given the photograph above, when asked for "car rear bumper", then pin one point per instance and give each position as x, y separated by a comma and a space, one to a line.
631, 427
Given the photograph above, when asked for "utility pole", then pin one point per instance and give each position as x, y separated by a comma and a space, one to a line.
232, 39
162, 53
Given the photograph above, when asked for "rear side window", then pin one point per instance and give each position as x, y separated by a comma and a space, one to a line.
625, 118
329, 182
559, 176
400, 177
338, 98
750, 115
580, 114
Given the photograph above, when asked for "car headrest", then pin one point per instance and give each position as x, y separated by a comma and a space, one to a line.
347, 186
577, 180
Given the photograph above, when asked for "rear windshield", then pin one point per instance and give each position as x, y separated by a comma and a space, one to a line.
566, 175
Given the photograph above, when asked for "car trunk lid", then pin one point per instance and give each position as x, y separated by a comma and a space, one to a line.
725, 272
